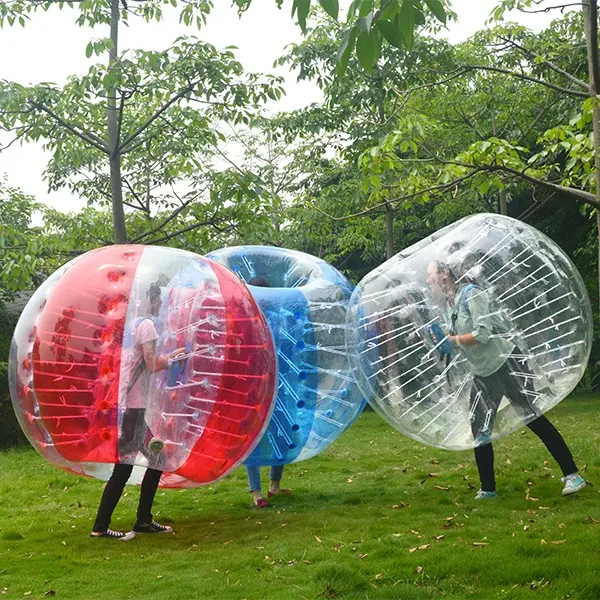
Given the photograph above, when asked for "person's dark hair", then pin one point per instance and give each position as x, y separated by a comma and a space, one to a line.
259, 282
153, 291
458, 268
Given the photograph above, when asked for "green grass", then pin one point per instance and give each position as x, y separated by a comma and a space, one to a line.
347, 531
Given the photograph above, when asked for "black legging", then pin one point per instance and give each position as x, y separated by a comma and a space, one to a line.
134, 432
486, 395
114, 489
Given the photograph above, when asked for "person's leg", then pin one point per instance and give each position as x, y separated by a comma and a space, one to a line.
275, 480
484, 402
133, 430
486, 394
484, 457
147, 493
253, 473
517, 380
144, 521
540, 425
111, 496
555, 443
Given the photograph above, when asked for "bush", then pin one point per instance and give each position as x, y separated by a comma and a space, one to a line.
10, 430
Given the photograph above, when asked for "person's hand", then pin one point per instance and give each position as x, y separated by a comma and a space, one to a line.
177, 354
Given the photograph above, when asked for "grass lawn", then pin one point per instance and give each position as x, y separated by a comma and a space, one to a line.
376, 517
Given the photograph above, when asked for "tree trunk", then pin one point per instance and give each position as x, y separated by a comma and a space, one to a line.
503, 208
590, 20
389, 231
114, 159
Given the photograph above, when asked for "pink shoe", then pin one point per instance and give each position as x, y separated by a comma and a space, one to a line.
262, 503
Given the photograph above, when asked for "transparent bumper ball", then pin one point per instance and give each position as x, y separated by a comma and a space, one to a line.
471, 333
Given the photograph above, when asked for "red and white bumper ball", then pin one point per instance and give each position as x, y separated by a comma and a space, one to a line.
143, 355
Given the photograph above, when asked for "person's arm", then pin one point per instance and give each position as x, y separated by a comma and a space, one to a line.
152, 360
157, 362
479, 309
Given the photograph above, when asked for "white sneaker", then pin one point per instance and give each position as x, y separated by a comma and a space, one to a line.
573, 483
113, 535
481, 495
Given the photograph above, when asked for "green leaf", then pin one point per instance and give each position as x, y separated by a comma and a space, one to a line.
345, 50
405, 22
89, 50
366, 6
331, 7
352, 9
365, 50
303, 7
364, 23
391, 33
419, 17
436, 7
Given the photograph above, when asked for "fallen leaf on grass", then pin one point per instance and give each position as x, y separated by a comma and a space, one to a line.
397, 534
557, 542
318, 539
444, 489
421, 547
530, 498
435, 461
592, 521
363, 555
543, 541
480, 544
419, 570
437, 538
543, 507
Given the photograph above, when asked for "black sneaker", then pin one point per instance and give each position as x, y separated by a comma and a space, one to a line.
152, 527
113, 535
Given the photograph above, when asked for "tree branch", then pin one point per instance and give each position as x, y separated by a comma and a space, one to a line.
135, 195
186, 90
87, 137
558, 88
458, 72
549, 8
436, 188
169, 236
549, 64
170, 218
582, 195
